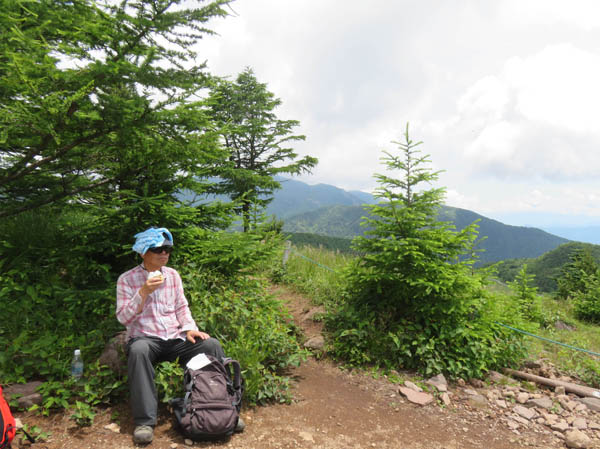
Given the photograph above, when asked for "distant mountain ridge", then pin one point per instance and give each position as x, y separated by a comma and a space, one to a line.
501, 241
547, 267
296, 197
324, 209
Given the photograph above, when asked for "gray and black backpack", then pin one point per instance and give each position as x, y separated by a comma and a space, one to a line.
213, 397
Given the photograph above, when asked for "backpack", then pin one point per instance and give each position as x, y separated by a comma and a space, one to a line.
213, 397
7, 423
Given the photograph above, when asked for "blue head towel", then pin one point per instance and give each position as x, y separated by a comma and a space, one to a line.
149, 238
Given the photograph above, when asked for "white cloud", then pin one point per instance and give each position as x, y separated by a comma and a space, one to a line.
583, 14
537, 118
504, 94
558, 86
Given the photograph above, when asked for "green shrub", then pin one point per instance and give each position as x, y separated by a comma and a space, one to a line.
413, 298
587, 301
253, 327
316, 272
526, 296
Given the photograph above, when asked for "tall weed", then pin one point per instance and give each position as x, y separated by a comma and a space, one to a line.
313, 271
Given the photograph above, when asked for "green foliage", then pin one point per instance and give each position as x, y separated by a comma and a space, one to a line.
547, 268
414, 299
336, 221
99, 386
321, 241
169, 381
83, 414
256, 141
315, 272
526, 296
587, 301
253, 328
461, 349
574, 275
94, 95
226, 253
36, 433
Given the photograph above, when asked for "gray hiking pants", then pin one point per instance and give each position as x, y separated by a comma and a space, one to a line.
143, 353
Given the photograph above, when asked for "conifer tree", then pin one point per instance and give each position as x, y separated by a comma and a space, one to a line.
256, 140
575, 273
413, 265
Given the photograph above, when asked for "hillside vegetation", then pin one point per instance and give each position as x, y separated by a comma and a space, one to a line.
497, 240
305, 272
547, 267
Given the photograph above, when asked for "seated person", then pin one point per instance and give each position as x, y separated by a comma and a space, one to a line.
159, 326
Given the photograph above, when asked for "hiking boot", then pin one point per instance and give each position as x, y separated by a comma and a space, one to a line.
143, 434
241, 425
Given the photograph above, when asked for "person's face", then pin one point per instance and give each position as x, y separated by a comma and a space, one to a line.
156, 258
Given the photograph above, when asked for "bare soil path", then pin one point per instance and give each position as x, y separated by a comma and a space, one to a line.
332, 409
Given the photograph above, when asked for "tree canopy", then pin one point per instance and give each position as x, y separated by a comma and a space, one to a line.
97, 98
257, 141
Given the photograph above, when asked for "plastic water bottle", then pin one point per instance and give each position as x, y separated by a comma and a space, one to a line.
77, 365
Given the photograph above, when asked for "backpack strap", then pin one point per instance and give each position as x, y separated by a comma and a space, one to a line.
237, 371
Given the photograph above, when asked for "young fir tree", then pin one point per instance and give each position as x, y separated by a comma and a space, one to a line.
413, 299
526, 296
413, 265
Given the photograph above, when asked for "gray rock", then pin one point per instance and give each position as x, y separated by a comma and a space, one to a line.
477, 383
579, 423
496, 377
561, 325
114, 352
594, 425
412, 386
522, 398
21, 389
577, 439
567, 404
24, 402
591, 403
527, 413
477, 401
446, 399
439, 382
25, 394
512, 424
416, 397
559, 426
533, 364
543, 402
312, 314
521, 420
317, 342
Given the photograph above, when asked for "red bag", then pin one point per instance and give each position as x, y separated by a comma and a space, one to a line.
7, 423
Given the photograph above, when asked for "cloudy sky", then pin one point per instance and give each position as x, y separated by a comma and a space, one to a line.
504, 94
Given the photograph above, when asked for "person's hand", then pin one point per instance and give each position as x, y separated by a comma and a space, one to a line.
151, 284
192, 334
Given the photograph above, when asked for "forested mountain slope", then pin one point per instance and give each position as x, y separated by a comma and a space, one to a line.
501, 241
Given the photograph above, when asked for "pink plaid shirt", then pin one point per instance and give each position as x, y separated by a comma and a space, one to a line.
166, 313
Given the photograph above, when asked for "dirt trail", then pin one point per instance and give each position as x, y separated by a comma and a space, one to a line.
332, 409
